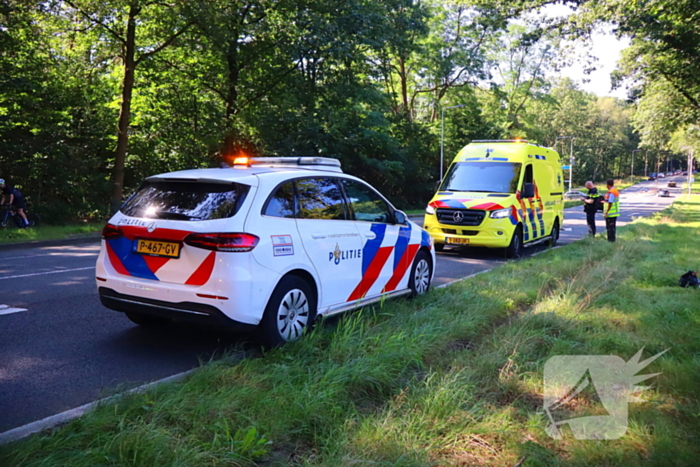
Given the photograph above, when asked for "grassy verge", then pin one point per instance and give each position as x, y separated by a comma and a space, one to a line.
452, 378
415, 212
47, 232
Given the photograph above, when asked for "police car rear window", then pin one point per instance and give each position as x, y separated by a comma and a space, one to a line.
186, 200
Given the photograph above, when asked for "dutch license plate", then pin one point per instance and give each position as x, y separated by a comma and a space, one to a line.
158, 248
456, 241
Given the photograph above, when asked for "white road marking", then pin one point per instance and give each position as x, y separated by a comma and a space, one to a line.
48, 272
53, 254
6, 310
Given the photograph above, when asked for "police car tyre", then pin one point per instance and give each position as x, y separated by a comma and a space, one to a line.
554, 234
421, 274
143, 319
290, 312
515, 249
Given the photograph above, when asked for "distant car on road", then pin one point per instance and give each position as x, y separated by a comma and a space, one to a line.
664, 193
652, 176
672, 184
574, 194
660, 175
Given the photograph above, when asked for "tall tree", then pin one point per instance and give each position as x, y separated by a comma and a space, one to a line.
134, 31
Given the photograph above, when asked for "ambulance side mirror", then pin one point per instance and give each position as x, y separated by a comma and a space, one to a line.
437, 184
528, 190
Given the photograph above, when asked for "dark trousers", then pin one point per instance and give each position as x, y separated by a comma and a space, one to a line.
611, 224
590, 220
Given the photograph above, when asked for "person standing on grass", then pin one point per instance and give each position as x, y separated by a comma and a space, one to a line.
590, 206
612, 209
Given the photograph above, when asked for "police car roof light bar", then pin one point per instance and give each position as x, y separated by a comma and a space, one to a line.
325, 163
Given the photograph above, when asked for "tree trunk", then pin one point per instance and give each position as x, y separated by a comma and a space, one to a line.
125, 111
404, 88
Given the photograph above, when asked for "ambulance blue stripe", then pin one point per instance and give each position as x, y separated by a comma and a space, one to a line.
526, 231
369, 251
401, 244
133, 262
502, 159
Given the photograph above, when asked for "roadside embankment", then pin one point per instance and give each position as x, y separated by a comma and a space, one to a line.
451, 378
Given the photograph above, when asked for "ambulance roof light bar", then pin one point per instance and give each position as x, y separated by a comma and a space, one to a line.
307, 162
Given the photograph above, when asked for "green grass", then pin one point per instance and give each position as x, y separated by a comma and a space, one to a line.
47, 232
451, 378
415, 212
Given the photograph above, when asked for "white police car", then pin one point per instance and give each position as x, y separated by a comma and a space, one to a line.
270, 243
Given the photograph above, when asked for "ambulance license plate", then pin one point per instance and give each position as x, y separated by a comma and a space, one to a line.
158, 248
456, 241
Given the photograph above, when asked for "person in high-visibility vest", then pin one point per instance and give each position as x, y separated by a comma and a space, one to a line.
612, 209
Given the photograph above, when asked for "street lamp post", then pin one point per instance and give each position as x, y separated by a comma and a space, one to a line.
571, 157
632, 168
442, 132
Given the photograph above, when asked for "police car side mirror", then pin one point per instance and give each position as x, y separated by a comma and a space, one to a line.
528, 191
400, 217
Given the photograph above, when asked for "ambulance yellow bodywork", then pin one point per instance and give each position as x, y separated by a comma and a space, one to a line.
498, 194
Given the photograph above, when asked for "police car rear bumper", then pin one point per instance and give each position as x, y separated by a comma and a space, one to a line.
198, 313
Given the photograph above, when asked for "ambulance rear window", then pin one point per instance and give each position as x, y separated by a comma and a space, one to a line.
482, 177
186, 200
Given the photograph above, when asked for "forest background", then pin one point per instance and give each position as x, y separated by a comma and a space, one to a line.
96, 95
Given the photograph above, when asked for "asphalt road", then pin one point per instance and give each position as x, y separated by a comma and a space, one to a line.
59, 348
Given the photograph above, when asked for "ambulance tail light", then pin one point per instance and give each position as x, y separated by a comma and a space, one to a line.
111, 232
500, 214
226, 242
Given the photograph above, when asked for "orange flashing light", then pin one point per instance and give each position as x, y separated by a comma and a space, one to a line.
241, 161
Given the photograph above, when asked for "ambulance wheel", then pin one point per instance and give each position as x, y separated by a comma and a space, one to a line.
421, 274
515, 249
555, 233
289, 313
145, 320
439, 246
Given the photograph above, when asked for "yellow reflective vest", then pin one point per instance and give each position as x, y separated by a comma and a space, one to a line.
615, 205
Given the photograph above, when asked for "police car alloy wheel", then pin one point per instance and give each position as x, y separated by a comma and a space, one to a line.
420, 274
289, 313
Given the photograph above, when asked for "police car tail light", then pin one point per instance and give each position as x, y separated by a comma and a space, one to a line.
232, 242
500, 214
111, 232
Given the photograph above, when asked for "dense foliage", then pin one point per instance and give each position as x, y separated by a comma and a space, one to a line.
96, 95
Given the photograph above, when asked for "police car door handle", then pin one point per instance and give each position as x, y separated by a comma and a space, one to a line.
318, 235
371, 235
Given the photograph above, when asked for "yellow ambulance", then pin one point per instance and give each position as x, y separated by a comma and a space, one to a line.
498, 194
